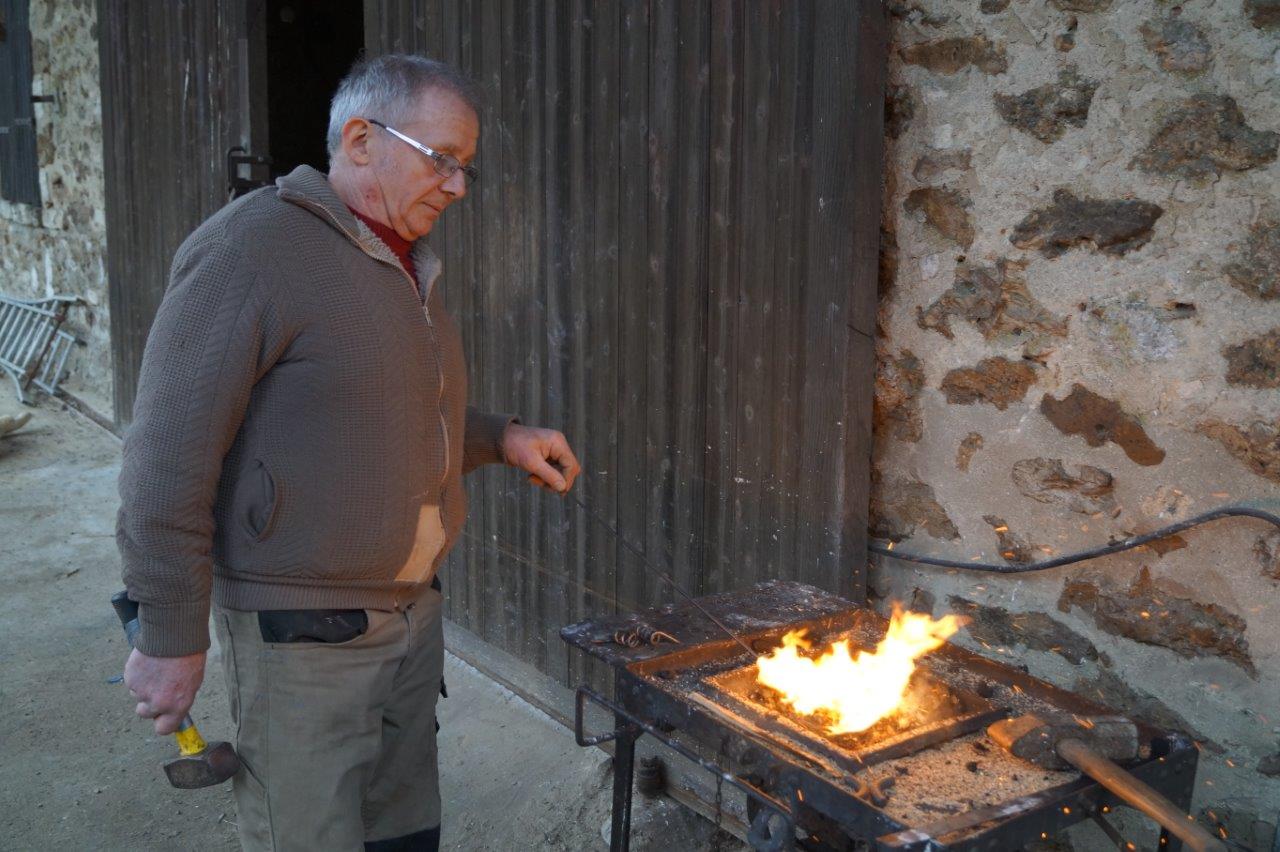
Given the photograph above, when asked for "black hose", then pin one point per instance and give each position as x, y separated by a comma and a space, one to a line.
1115, 547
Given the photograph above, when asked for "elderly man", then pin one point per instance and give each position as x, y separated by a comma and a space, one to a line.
297, 452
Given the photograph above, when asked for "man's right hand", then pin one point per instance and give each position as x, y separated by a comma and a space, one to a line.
164, 686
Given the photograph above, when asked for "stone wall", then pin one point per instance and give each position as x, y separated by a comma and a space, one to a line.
60, 247
1080, 341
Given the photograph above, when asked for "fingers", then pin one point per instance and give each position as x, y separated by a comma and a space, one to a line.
564, 458
165, 687
533, 480
168, 723
548, 474
544, 454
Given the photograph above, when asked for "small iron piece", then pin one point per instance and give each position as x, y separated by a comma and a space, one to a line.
693, 602
641, 633
875, 791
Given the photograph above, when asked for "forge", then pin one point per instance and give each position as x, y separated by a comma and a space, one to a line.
932, 712
925, 777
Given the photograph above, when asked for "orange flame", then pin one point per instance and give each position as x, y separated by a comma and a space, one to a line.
856, 689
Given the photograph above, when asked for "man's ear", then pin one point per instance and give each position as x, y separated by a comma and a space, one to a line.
355, 141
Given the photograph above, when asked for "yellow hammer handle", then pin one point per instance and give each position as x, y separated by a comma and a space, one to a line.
189, 740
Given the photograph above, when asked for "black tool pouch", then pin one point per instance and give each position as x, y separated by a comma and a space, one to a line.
330, 626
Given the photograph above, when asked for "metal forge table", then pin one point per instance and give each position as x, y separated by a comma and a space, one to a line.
934, 785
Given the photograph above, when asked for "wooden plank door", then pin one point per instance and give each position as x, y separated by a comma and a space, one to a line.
175, 98
671, 256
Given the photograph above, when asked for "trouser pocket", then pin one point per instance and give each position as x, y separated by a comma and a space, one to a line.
329, 626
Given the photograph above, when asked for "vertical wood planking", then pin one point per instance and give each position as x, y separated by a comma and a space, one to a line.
724, 230
537, 167
687, 281
635, 585
545, 182
831, 210
511, 292
675, 265
595, 432
170, 99
556, 36
662, 345
753, 326
789, 181
868, 176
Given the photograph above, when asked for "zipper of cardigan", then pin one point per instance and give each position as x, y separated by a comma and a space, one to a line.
426, 313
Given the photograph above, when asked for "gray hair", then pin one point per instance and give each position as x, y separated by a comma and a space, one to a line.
385, 88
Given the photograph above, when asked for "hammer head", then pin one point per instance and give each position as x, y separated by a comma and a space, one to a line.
1036, 738
215, 764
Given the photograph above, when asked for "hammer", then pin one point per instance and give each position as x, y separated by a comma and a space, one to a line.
198, 764
1090, 743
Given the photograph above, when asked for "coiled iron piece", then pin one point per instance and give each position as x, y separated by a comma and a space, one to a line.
642, 634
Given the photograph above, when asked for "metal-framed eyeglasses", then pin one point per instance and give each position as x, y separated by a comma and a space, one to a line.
445, 164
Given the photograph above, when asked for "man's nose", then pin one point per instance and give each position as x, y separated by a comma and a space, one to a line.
455, 185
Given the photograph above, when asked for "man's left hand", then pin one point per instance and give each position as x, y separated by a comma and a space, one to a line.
543, 453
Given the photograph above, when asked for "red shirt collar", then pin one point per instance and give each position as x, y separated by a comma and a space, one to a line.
400, 247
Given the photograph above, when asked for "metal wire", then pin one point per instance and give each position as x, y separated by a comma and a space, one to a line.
1234, 510
541, 568
660, 573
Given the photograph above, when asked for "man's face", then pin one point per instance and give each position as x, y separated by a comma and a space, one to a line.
415, 194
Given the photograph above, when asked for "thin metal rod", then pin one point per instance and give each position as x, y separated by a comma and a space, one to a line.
660, 573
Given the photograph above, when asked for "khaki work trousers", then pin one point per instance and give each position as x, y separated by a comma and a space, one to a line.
337, 741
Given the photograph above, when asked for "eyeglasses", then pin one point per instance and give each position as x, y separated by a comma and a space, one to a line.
445, 164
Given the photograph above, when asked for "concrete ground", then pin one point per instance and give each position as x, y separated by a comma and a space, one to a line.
82, 772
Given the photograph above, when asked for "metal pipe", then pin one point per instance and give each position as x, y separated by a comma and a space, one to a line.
8, 315
1137, 794
30, 344
15, 337
624, 761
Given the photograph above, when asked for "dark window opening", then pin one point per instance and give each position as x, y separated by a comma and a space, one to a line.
311, 44
19, 167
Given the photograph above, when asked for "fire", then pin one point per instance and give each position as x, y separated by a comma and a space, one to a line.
856, 689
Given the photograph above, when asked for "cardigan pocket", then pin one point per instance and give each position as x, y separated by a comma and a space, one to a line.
261, 501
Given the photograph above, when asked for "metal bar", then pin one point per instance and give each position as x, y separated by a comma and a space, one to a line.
624, 761
22, 396
8, 315
56, 361
579, 721
1139, 795
69, 341
1109, 830
16, 359
912, 838
14, 338
48, 362
680, 749
43, 338
30, 343
47, 307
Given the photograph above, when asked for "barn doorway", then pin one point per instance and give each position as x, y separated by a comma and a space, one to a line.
310, 44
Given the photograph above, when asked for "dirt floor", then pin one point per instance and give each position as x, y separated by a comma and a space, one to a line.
80, 771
